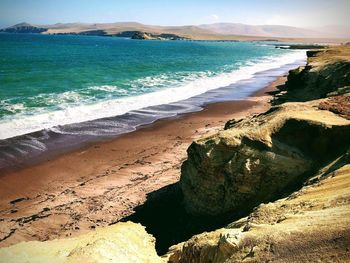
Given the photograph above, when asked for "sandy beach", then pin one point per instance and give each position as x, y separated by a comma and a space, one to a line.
174, 131
102, 183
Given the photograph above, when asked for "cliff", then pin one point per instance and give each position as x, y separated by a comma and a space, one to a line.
123, 242
326, 74
152, 36
304, 141
261, 158
311, 225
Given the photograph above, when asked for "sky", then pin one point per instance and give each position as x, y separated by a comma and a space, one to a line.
299, 13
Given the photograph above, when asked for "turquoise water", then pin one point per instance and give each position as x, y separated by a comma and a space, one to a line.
46, 81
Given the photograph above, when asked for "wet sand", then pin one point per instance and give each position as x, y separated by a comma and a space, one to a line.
102, 183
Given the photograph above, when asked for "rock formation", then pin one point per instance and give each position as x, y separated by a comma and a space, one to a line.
265, 157
151, 36
326, 74
261, 158
123, 242
311, 225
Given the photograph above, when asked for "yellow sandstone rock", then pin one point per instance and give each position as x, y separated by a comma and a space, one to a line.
303, 143
122, 242
261, 158
311, 225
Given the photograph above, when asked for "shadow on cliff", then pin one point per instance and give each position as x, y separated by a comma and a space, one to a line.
165, 218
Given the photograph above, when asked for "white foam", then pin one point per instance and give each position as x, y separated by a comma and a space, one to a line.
19, 124
107, 88
13, 108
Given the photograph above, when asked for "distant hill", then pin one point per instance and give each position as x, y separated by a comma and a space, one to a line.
335, 31
264, 30
24, 28
277, 31
117, 28
217, 31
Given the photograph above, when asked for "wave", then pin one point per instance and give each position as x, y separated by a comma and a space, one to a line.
191, 85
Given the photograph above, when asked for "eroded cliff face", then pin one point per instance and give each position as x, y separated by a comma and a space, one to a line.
311, 225
261, 158
305, 141
327, 73
123, 242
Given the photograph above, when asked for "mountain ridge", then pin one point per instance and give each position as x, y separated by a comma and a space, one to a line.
276, 30
205, 31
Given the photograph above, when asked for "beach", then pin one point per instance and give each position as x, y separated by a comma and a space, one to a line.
174, 132
102, 183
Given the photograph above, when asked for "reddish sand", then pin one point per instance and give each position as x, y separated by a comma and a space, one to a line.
102, 183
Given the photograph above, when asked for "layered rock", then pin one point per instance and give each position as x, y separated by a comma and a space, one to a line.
311, 225
260, 158
326, 74
151, 36
122, 242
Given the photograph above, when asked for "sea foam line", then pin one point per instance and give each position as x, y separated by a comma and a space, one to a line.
26, 124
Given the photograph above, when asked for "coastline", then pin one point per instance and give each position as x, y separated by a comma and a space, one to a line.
258, 189
102, 183
21, 150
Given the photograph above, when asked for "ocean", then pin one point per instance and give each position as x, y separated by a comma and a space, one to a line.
58, 90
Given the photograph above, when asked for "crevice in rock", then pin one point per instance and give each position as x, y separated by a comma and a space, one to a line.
10, 233
165, 218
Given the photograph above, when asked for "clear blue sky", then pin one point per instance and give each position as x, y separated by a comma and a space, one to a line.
303, 13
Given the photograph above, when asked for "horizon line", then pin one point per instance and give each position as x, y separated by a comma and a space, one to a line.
183, 25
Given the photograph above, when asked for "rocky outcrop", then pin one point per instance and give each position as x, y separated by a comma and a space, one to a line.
327, 73
23, 28
127, 34
122, 242
261, 158
151, 36
299, 46
311, 225
93, 33
142, 35
86, 33
304, 141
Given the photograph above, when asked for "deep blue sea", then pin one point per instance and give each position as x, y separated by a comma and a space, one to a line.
66, 86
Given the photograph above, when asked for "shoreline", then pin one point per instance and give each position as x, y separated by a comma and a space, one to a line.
34, 147
219, 38
102, 183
